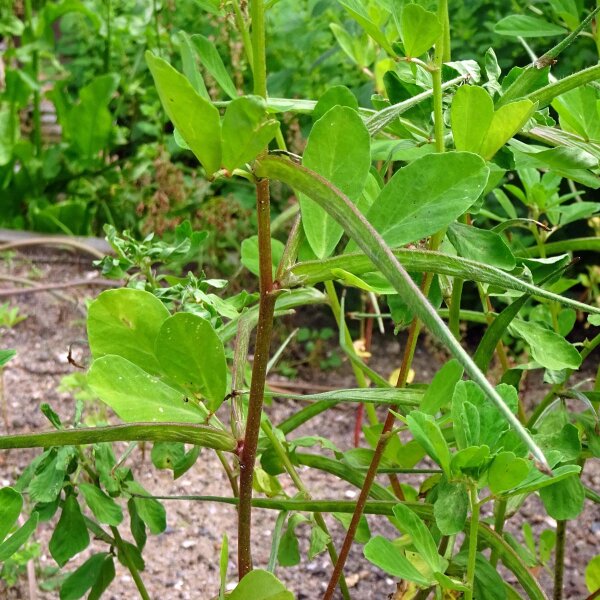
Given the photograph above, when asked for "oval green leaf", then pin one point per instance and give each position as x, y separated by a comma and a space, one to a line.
246, 131
196, 119
125, 322
421, 29
191, 354
135, 395
427, 195
338, 149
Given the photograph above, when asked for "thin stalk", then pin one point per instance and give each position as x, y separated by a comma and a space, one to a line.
546, 94
559, 559
35, 67
473, 529
259, 53
229, 472
319, 520
265, 314
139, 584
499, 519
442, 48
454, 314
336, 309
241, 25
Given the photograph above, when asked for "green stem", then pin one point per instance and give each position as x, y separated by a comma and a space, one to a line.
454, 314
257, 13
546, 94
559, 559
35, 66
130, 564
441, 49
361, 380
499, 519
473, 529
291, 470
241, 25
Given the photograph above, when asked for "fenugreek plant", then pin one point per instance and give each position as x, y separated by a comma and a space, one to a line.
453, 181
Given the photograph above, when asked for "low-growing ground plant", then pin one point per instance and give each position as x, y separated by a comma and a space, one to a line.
460, 182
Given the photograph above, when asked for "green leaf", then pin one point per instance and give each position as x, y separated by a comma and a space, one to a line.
506, 472
6, 356
578, 112
338, 149
104, 579
9, 131
472, 112
548, 348
357, 11
318, 541
70, 535
11, 503
164, 455
188, 60
493, 334
245, 131
427, 195
138, 396
427, 432
104, 508
526, 26
209, 57
470, 461
249, 254
439, 391
592, 575
412, 525
89, 123
151, 511
223, 562
12, 544
126, 322
481, 244
188, 460
136, 525
49, 476
82, 579
564, 500
476, 127
196, 119
451, 507
388, 557
336, 95
260, 585
421, 29
191, 354
468, 395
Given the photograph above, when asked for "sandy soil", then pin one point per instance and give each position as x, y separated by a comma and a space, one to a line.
181, 562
